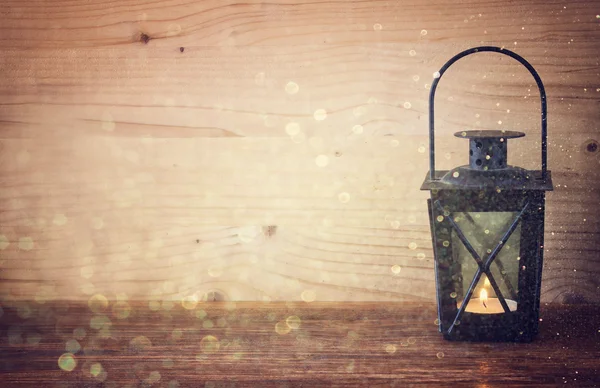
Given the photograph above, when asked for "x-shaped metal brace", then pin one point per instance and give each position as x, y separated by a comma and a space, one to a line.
484, 267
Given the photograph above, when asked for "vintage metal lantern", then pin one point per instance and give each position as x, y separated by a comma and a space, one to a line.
487, 226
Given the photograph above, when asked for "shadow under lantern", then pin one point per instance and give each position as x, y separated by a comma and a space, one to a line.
487, 226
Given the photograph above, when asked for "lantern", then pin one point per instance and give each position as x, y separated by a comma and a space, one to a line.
487, 227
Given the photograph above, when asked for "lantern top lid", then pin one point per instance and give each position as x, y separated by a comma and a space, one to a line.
489, 134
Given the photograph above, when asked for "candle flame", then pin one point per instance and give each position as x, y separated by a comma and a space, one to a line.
483, 296
486, 282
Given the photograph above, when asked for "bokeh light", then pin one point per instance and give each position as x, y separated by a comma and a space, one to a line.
67, 362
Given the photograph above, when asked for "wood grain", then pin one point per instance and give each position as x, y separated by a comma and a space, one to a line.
284, 344
132, 167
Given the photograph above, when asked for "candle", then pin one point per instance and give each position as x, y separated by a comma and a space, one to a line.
485, 305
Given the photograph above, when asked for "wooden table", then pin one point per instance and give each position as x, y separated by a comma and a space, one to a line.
226, 344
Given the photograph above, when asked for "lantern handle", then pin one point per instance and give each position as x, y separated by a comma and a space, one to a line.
458, 56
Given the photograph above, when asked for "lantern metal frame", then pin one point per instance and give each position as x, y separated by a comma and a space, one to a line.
474, 188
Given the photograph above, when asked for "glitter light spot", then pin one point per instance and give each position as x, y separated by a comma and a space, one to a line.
357, 129
177, 334
154, 305
173, 30
121, 310
390, 348
96, 369
407, 105
308, 296
59, 219
14, 335
416, 78
247, 234
79, 333
359, 111
72, 346
4, 243
24, 311
446, 243
33, 338
320, 114
140, 344
453, 295
420, 256
189, 302
270, 121
423, 32
99, 322
344, 197
292, 128
292, 88
440, 355
455, 174
282, 328
98, 303
394, 143
97, 223
315, 142
67, 362
87, 271
412, 246
436, 74
215, 271
259, 79
299, 138
377, 27
440, 218
153, 377
209, 344
322, 160
421, 149
293, 322
396, 269
26, 243
108, 122
412, 53
87, 288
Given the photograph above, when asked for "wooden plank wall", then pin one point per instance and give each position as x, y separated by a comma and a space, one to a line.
274, 150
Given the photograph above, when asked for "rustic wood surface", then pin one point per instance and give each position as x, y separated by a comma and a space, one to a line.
274, 151
251, 344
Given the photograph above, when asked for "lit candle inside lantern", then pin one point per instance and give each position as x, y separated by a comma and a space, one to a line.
483, 297
486, 305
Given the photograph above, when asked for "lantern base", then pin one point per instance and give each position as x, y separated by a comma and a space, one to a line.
507, 327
